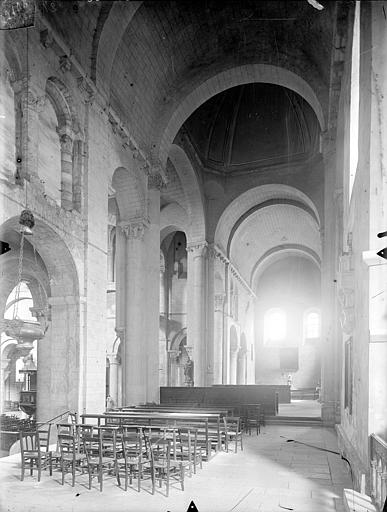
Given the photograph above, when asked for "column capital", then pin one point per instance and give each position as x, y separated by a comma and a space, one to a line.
198, 248
134, 229
85, 89
66, 143
114, 358
156, 181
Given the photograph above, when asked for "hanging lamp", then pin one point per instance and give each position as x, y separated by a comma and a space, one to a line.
23, 331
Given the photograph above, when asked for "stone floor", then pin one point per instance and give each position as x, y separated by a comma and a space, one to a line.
270, 475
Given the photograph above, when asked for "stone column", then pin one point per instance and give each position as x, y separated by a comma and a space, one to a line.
114, 361
218, 337
152, 290
59, 366
66, 155
163, 298
331, 333
197, 298
163, 348
120, 274
241, 367
233, 365
135, 348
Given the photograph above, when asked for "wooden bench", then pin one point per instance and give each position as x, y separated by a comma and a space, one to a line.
208, 425
219, 396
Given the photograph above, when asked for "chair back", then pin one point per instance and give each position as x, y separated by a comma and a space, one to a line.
108, 442
68, 445
65, 428
160, 450
232, 424
132, 446
43, 438
28, 442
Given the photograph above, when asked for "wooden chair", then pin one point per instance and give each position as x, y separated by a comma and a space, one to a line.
99, 461
70, 458
253, 418
189, 450
135, 460
34, 449
163, 467
232, 431
62, 428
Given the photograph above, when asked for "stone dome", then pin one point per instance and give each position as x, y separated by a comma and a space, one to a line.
253, 125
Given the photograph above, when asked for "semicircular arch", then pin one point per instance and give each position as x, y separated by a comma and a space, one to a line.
196, 229
250, 200
263, 73
278, 253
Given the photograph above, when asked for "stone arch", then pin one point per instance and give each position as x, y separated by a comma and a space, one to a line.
230, 78
250, 200
173, 217
114, 27
35, 275
280, 252
62, 102
69, 144
178, 338
265, 204
60, 390
193, 195
129, 194
58, 261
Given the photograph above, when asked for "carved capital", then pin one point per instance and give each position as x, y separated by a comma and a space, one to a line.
32, 100
85, 89
198, 248
64, 63
66, 144
135, 229
173, 354
114, 359
155, 182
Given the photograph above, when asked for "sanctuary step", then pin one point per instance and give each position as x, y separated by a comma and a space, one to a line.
295, 421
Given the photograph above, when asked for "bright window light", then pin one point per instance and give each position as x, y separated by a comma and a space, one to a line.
312, 325
354, 110
275, 325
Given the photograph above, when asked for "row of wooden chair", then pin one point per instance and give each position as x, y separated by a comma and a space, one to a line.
161, 454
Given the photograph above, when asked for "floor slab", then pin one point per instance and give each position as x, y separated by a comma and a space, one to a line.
271, 474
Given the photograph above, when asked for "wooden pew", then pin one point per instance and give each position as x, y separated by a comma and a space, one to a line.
231, 395
208, 425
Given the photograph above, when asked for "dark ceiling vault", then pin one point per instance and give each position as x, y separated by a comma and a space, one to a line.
253, 125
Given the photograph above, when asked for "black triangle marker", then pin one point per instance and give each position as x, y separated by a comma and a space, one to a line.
192, 507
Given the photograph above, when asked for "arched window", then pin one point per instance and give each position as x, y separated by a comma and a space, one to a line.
274, 325
19, 303
311, 325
